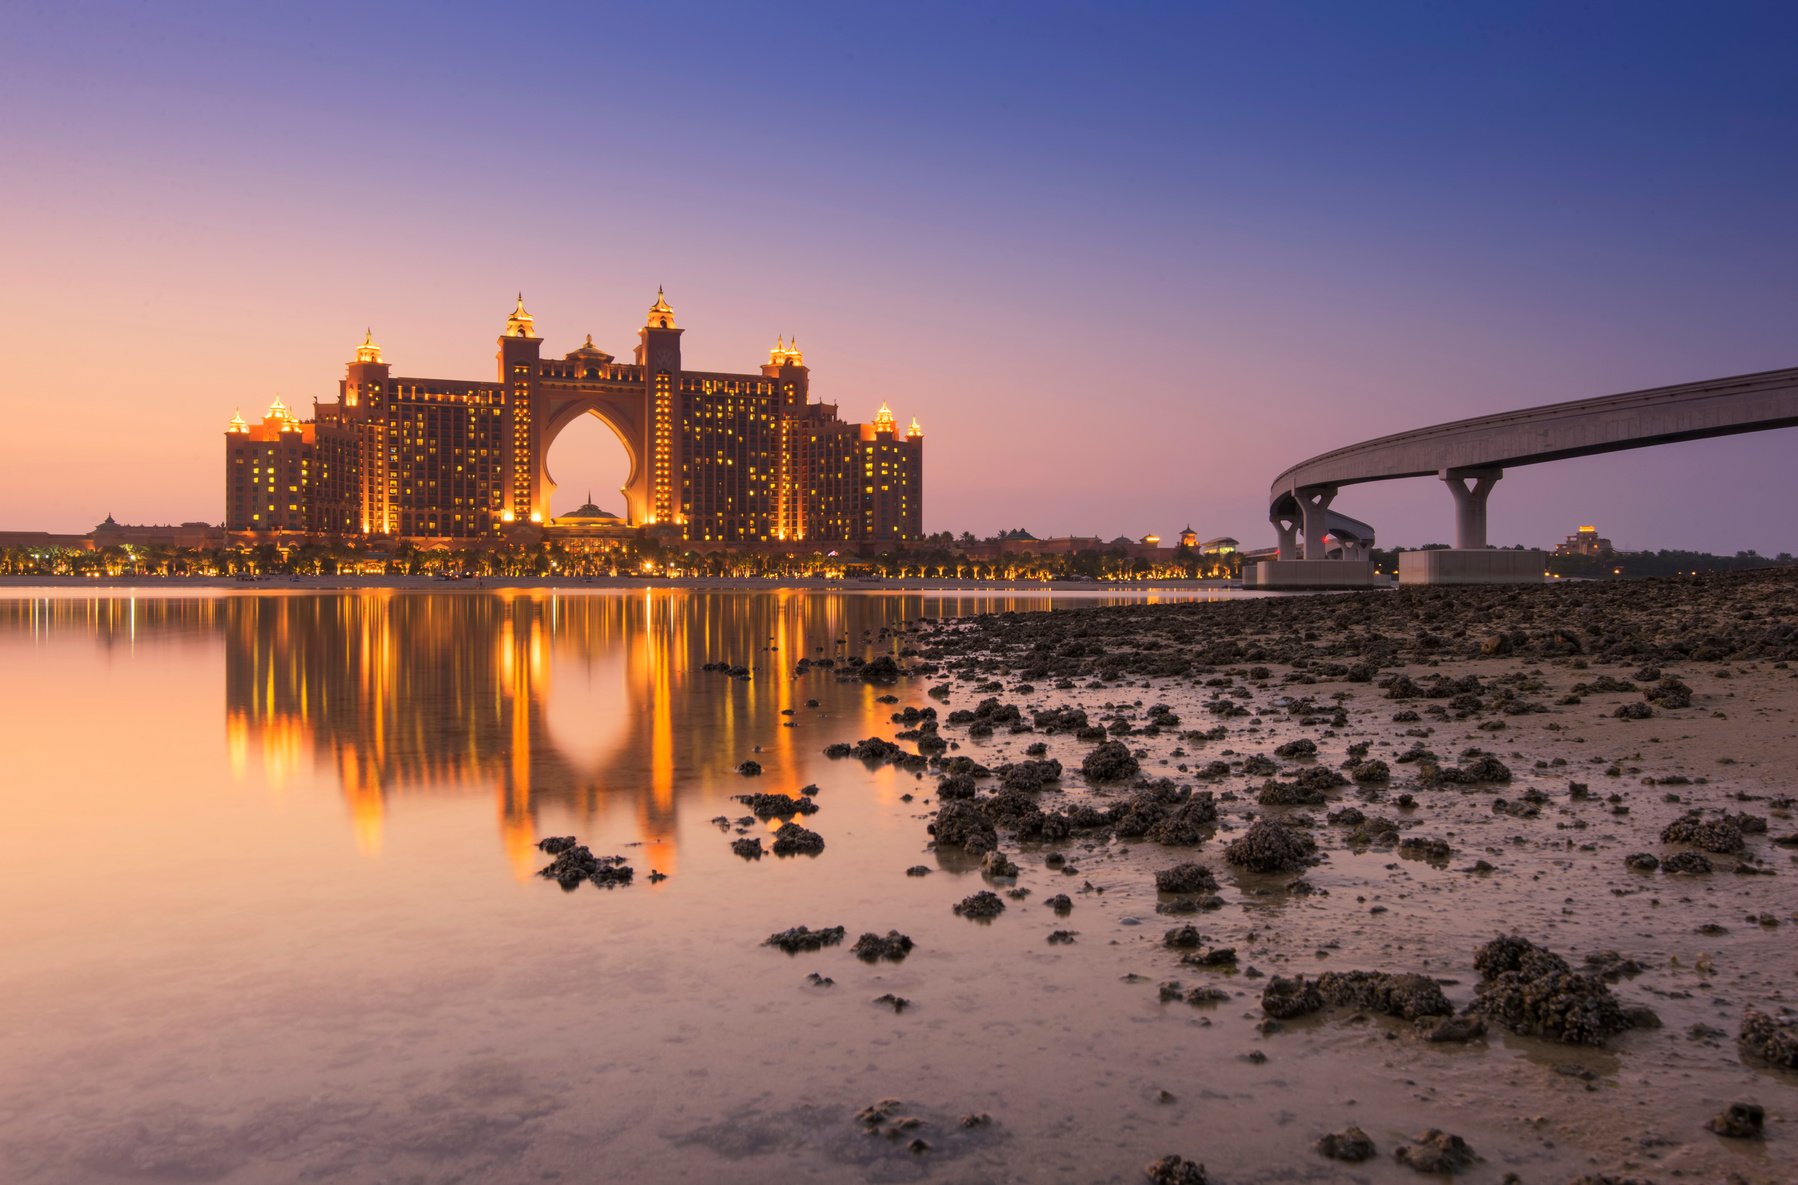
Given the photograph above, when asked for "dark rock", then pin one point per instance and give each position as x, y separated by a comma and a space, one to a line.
1175, 1170
801, 938
1533, 992
963, 825
777, 806
750, 847
1743, 1121
1284, 998
982, 905
1350, 1144
1422, 847
1437, 1152
1712, 835
1271, 846
1670, 693
1186, 878
1768, 1039
1109, 762
1217, 956
998, 866
1183, 938
1404, 995
1029, 775
575, 863
1274, 793
955, 786
794, 840
871, 947
880, 670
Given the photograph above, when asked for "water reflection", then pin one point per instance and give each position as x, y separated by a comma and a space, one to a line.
578, 701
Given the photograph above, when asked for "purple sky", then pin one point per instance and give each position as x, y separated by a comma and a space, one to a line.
1125, 263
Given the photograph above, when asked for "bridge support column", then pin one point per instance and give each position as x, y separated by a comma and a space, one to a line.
1287, 527
1314, 503
1470, 488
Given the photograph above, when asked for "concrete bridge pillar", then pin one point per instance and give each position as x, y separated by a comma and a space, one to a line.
1314, 503
1470, 488
1287, 526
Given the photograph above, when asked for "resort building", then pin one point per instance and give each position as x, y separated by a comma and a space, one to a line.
715, 458
1585, 541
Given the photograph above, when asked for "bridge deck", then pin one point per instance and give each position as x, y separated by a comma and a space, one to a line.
1583, 427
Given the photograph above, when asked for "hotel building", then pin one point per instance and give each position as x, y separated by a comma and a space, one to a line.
716, 458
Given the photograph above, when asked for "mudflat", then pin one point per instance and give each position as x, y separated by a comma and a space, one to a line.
1483, 881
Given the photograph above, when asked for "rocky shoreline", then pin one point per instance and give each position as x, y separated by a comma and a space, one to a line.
1375, 800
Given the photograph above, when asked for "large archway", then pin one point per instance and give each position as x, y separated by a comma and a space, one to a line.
592, 452
587, 459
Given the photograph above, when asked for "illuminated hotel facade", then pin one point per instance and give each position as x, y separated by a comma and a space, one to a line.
716, 459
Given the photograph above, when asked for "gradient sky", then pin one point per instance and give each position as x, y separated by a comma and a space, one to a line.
1125, 263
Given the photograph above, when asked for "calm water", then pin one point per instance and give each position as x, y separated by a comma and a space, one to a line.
268, 910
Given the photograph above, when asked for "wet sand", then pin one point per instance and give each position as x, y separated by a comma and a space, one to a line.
1554, 684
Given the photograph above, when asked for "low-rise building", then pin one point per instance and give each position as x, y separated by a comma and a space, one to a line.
1585, 541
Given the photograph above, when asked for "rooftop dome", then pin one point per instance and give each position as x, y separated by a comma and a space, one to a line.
588, 511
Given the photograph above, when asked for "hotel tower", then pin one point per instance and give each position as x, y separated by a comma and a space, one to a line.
715, 458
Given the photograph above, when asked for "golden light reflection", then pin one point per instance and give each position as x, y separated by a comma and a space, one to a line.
583, 712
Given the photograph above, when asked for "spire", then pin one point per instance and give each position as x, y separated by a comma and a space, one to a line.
785, 352
883, 421
915, 432
368, 351
237, 422
520, 323
661, 315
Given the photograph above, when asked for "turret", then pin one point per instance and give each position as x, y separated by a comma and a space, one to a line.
365, 379
520, 350
658, 353
520, 323
786, 365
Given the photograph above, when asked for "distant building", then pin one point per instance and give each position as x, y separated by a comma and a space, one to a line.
1585, 541
1189, 538
1019, 542
716, 458
112, 533
1222, 545
185, 536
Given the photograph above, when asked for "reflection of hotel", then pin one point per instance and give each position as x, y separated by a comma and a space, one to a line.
718, 458
571, 703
